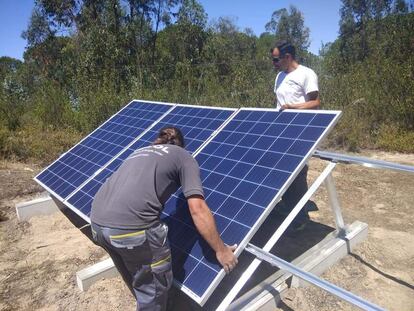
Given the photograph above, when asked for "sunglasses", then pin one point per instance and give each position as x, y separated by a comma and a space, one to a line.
277, 59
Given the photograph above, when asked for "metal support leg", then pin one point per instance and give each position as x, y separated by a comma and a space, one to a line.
275, 237
334, 202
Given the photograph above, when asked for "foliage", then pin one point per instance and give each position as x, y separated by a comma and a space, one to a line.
375, 87
392, 138
34, 143
13, 95
290, 26
85, 59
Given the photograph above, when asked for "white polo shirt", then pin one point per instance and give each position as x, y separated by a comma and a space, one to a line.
292, 87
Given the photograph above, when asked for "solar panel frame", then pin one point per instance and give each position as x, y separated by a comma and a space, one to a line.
85, 217
201, 300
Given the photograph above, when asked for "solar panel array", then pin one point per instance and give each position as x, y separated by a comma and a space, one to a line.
247, 160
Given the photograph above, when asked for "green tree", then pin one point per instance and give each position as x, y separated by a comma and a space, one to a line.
290, 26
13, 96
366, 72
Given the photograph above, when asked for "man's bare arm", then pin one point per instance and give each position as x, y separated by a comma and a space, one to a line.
313, 102
206, 226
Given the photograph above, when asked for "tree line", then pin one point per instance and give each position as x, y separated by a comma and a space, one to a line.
85, 59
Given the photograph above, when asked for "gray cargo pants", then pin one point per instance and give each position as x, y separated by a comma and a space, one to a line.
143, 258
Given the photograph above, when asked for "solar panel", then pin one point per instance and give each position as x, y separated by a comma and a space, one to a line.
74, 167
197, 124
245, 169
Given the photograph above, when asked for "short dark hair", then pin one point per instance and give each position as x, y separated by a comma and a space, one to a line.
285, 47
170, 135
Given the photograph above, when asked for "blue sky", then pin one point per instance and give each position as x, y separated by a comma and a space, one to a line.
14, 18
321, 16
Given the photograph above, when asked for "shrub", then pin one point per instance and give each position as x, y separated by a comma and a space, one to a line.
32, 143
392, 138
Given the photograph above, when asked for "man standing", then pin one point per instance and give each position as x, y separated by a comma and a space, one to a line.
126, 212
296, 87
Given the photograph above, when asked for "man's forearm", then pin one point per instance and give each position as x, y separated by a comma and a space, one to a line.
205, 224
312, 104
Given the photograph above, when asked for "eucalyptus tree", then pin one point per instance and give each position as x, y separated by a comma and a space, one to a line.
289, 25
13, 94
360, 20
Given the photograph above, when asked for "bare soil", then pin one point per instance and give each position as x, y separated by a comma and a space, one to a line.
39, 258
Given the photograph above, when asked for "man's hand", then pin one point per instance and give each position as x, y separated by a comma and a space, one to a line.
226, 258
287, 106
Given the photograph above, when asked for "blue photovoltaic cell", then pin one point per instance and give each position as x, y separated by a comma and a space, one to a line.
197, 125
82, 161
242, 169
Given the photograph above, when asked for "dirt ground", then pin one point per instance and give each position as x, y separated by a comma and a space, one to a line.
39, 258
